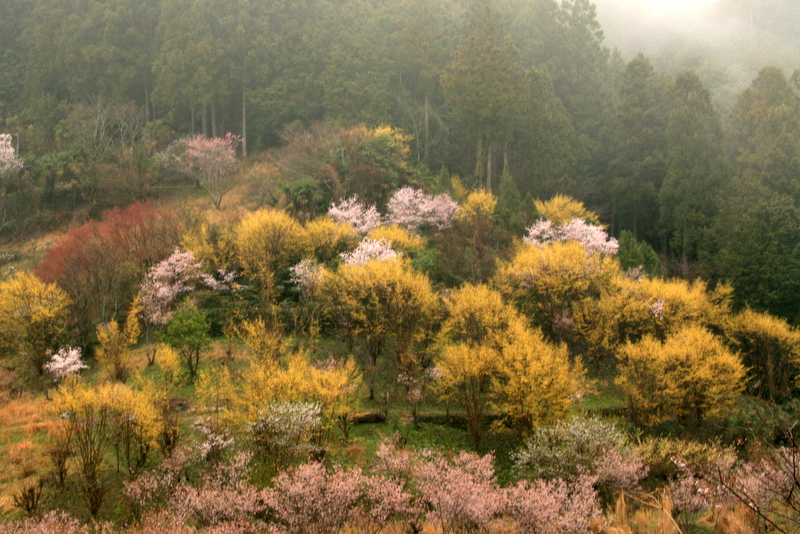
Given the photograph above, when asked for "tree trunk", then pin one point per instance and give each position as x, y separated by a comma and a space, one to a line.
684, 260
146, 103
488, 166
505, 157
479, 161
244, 123
426, 147
204, 111
191, 111
214, 132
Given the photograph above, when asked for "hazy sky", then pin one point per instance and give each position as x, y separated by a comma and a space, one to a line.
631, 25
725, 41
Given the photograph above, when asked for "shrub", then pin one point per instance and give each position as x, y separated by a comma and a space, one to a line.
582, 446
284, 431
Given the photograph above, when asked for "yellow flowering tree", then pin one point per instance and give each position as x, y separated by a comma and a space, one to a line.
269, 241
489, 357
770, 348
105, 418
379, 301
539, 382
33, 316
115, 343
548, 283
630, 309
691, 375
563, 209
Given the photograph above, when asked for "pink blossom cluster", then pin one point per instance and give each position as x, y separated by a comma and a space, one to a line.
9, 162
553, 507
369, 250
64, 362
53, 522
166, 281
405, 490
307, 275
350, 210
591, 237
309, 499
462, 492
210, 159
201, 157
413, 208
759, 484
216, 441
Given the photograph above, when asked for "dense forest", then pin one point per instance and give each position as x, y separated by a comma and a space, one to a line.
373, 266
91, 89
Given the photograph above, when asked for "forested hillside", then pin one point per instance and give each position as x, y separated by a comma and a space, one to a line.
383, 266
91, 89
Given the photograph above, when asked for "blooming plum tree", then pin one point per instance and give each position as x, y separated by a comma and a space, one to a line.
309, 499
553, 507
369, 250
462, 492
166, 281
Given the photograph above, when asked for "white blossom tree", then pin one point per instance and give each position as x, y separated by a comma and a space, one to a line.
591, 237
364, 219
64, 362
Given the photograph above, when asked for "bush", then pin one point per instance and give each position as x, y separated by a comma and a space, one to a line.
284, 431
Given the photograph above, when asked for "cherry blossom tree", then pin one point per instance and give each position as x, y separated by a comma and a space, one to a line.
553, 507
413, 209
166, 281
352, 211
462, 493
307, 275
210, 162
591, 237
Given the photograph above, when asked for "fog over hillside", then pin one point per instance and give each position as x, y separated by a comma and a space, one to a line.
725, 41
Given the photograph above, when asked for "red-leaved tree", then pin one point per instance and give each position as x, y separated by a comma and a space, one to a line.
101, 263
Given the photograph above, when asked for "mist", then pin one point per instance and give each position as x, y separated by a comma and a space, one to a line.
725, 41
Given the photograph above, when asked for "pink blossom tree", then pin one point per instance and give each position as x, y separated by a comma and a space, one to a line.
364, 219
413, 209
462, 493
591, 237
166, 281
553, 507
309, 499
210, 162
386, 506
